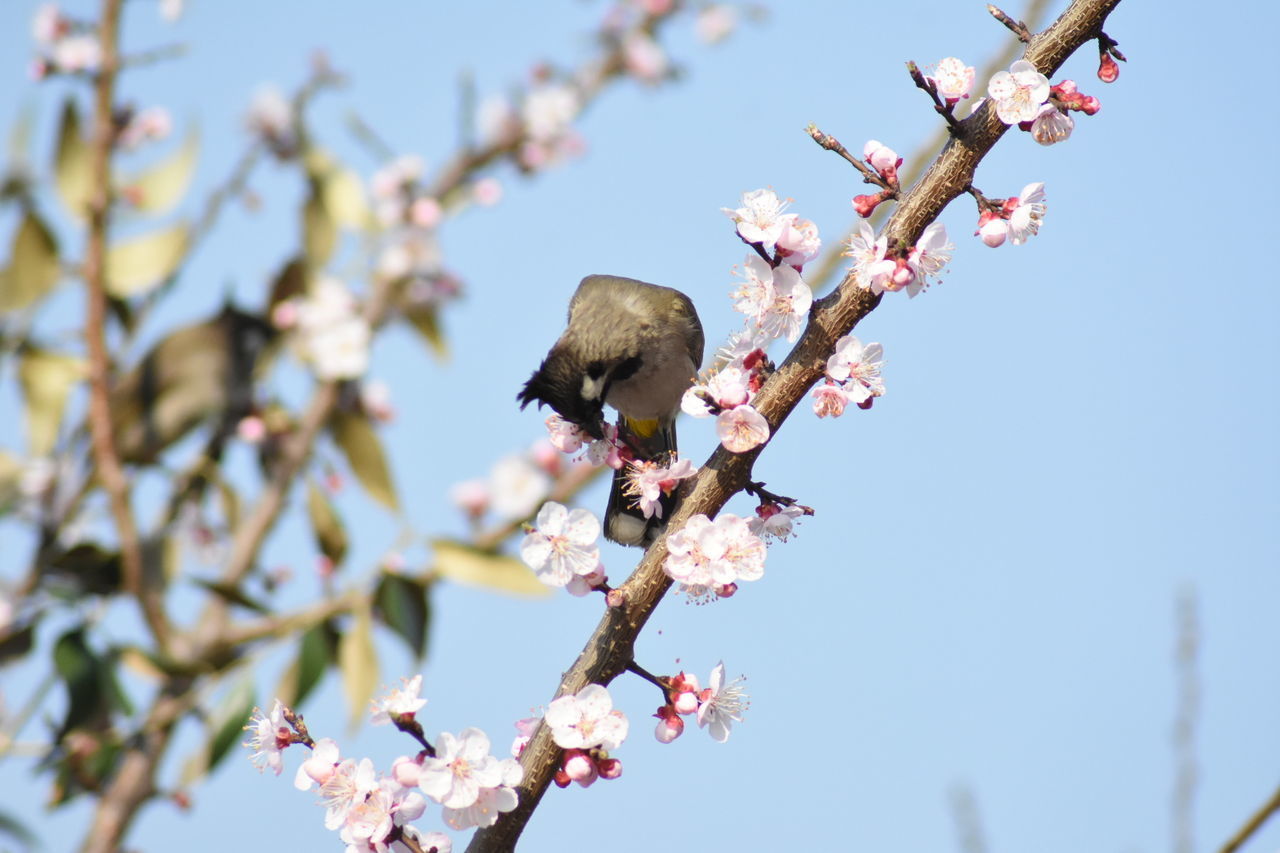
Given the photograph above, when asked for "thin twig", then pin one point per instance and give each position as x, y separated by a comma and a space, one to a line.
1253, 824
1184, 727
106, 456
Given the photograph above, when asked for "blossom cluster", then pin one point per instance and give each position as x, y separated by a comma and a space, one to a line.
648, 481
717, 706
878, 268
853, 376
725, 393
587, 727
330, 333
63, 45
562, 548
372, 811
1016, 219
1023, 96
708, 557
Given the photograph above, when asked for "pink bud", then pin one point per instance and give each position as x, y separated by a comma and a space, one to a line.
994, 232
1090, 105
669, 727
864, 205
320, 771
405, 771
579, 767
727, 590
685, 703
615, 598
562, 779
426, 212
610, 768
1108, 70
904, 274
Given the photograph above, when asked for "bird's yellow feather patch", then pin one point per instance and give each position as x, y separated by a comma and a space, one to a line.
644, 429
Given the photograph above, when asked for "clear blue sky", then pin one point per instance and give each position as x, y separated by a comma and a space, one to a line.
1074, 430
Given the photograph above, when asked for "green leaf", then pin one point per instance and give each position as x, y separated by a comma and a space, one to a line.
331, 535
14, 829
291, 281
358, 663
11, 468
78, 667
229, 721
137, 265
319, 233
426, 322
316, 652
404, 606
159, 188
46, 378
359, 442
474, 567
233, 595
33, 265
72, 165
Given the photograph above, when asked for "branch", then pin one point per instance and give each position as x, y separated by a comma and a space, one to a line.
105, 455
1253, 824
608, 651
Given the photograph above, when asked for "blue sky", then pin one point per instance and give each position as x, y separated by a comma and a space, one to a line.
1075, 430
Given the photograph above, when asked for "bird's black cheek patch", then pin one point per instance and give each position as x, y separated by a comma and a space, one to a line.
595, 369
627, 368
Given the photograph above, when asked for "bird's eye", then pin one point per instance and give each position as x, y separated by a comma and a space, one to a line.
595, 369
626, 368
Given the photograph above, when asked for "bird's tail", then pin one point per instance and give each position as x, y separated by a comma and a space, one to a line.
624, 521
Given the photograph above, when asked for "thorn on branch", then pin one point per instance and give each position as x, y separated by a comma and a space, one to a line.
1018, 28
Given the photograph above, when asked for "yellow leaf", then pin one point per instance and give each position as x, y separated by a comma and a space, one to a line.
10, 479
47, 378
137, 265
344, 198
471, 566
331, 535
359, 442
425, 319
72, 165
159, 188
319, 234
358, 663
33, 265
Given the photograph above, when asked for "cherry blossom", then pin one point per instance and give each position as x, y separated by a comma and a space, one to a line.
774, 521
721, 705
928, 257
269, 735
562, 544
517, 486
647, 482
586, 720
1052, 125
882, 158
371, 821
461, 767
403, 701
1027, 214
270, 116
715, 22
549, 110
777, 299
954, 80
347, 786
799, 242
580, 585
857, 367
1018, 92
330, 332
317, 769
490, 801
759, 220
871, 268
741, 428
829, 400
645, 59
706, 553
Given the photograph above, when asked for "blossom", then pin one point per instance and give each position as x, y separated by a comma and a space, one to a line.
347, 786
150, 124
715, 22
1018, 92
331, 333
1027, 213
857, 367
524, 733
399, 702
928, 256
270, 115
269, 736
370, 821
721, 705
799, 242
562, 544
728, 387
461, 767
549, 110
871, 268
580, 585
565, 436
1052, 125
741, 428
647, 482
491, 801
775, 521
759, 220
48, 24
645, 59
586, 720
706, 553
77, 53
517, 486
882, 158
434, 842
954, 79
319, 767
776, 298
992, 230
471, 496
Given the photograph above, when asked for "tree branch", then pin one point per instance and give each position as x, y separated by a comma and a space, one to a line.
608, 651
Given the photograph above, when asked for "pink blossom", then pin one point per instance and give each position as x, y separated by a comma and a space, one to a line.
1018, 92
1052, 125
722, 705
346, 788
319, 767
954, 79
645, 59
403, 701
269, 735
461, 768
586, 720
715, 22
647, 482
562, 544
829, 400
882, 158
490, 801
857, 367
799, 242
1026, 213
759, 220
741, 428
706, 553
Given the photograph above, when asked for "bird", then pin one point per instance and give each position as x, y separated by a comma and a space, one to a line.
638, 347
